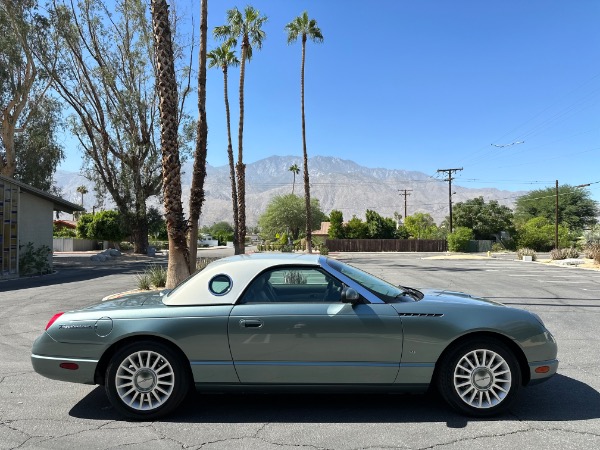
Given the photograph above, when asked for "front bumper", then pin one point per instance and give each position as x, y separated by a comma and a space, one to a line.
536, 377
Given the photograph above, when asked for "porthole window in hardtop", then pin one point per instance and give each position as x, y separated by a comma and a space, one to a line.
220, 284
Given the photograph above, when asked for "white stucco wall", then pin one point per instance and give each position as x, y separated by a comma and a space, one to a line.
35, 221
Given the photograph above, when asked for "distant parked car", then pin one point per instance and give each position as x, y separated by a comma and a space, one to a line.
297, 322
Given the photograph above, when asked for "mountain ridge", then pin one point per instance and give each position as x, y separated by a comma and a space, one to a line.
337, 183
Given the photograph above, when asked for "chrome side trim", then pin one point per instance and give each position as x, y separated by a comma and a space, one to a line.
55, 358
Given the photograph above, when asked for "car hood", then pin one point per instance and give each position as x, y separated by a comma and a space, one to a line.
446, 296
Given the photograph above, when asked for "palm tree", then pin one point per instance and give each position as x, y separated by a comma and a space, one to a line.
247, 28
178, 266
82, 190
307, 29
295, 170
223, 57
197, 193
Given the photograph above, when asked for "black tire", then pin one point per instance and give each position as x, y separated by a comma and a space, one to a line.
146, 380
479, 378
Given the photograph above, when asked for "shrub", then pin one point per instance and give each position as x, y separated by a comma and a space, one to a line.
564, 253
294, 277
324, 250
34, 261
570, 252
592, 236
592, 251
203, 262
126, 246
458, 240
64, 232
498, 247
526, 252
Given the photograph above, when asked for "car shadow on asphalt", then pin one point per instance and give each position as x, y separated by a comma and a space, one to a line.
559, 399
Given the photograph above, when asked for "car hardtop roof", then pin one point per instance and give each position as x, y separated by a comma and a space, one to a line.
273, 258
240, 270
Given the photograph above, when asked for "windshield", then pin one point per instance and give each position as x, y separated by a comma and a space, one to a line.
382, 289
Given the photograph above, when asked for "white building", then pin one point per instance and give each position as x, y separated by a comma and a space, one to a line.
26, 215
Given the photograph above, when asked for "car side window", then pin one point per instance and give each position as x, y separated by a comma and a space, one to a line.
293, 285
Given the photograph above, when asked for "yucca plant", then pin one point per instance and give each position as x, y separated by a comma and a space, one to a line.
526, 252
143, 281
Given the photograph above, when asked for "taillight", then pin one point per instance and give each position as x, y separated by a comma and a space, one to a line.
54, 317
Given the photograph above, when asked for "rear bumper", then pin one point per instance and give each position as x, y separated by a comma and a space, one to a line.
49, 367
541, 371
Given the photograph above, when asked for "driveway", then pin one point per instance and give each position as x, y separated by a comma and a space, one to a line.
563, 413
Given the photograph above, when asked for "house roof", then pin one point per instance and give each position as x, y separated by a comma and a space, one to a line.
59, 204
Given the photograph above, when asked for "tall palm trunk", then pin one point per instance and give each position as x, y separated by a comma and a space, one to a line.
306, 180
240, 166
234, 196
199, 174
178, 267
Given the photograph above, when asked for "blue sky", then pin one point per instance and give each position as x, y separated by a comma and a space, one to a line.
424, 85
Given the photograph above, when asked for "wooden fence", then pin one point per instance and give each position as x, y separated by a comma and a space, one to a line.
386, 245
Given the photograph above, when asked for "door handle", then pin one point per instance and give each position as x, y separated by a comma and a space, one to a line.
251, 323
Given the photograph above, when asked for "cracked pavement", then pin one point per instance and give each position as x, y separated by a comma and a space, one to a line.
38, 413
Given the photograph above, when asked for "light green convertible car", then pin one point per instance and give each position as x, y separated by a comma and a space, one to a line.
296, 322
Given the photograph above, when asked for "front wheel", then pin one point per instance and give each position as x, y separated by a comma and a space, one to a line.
146, 380
480, 378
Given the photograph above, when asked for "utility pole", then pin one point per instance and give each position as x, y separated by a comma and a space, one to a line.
449, 180
405, 194
556, 220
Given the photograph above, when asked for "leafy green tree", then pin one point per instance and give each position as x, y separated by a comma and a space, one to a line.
304, 28
485, 219
157, 226
23, 93
83, 226
336, 225
379, 227
421, 226
538, 234
247, 27
107, 226
458, 240
106, 75
402, 232
576, 209
39, 152
356, 229
286, 212
222, 231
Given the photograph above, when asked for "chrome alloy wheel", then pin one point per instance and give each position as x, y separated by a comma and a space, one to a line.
482, 379
144, 380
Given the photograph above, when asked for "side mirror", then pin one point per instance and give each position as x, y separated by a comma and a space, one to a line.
350, 295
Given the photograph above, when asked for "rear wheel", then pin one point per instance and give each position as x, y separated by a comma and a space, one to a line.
146, 380
480, 378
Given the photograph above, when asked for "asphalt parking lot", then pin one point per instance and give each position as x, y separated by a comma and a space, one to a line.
563, 413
